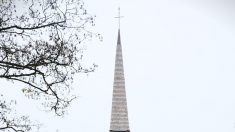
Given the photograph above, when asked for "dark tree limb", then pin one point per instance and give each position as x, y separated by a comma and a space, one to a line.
31, 28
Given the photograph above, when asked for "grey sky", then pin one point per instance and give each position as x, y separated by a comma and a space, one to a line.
179, 68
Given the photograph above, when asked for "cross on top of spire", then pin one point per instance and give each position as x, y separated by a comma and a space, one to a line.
119, 17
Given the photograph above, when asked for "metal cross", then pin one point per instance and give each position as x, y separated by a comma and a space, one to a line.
119, 17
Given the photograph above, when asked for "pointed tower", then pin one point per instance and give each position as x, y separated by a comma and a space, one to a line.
119, 115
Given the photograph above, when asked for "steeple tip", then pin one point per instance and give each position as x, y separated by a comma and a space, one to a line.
119, 18
119, 37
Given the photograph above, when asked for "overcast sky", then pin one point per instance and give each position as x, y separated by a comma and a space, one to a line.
179, 62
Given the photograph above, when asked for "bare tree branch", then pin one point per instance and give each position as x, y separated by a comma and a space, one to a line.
10, 122
41, 45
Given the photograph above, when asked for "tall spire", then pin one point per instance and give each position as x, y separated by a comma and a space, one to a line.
119, 115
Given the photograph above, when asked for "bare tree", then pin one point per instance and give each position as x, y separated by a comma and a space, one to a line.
10, 121
41, 45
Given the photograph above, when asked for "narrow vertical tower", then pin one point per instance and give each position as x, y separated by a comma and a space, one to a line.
119, 115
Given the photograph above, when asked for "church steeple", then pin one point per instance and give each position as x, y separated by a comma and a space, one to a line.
119, 115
